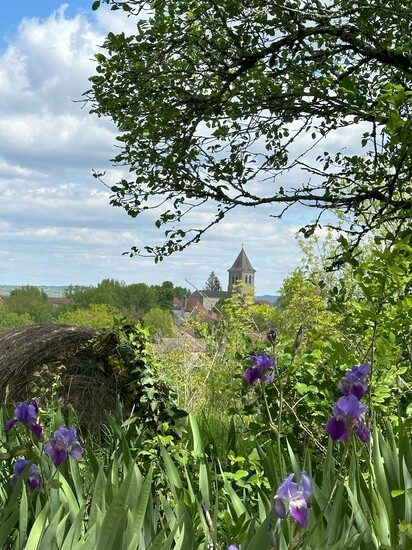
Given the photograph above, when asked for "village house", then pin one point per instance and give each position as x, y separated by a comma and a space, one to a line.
203, 302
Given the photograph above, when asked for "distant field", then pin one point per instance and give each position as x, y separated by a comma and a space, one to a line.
54, 291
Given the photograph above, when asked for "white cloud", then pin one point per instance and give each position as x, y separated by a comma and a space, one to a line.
56, 224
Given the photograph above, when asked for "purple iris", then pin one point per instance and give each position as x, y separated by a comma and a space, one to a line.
34, 478
295, 496
258, 371
27, 414
63, 444
354, 382
348, 416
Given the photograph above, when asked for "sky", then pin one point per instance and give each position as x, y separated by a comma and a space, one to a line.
56, 224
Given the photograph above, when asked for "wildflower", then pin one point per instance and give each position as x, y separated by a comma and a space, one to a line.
232, 547
63, 444
258, 371
34, 479
295, 496
27, 414
354, 382
348, 416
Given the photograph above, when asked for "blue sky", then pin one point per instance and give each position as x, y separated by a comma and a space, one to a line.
13, 11
56, 224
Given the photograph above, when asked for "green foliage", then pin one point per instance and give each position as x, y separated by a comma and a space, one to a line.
265, 317
154, 399
132, 300
247, 92
211, 380
10, 319
377, 308
31, 301
160, 322
93, 316
184, 499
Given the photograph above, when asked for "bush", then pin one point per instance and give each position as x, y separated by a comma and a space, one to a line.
93, 316
160, 322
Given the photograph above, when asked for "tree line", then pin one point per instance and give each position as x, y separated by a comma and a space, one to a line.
94, 306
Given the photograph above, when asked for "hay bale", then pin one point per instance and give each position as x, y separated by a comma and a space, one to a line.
88, 382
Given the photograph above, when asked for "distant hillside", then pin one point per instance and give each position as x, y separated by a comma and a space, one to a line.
267, 298
52, 291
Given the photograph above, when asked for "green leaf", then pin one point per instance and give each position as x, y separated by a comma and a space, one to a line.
74, 532
23, 519
38, 528
7, 526
115, 516
263, 536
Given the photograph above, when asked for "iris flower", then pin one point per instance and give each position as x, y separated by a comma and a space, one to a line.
348, 416
259, 369
27, 414
354, 382
34, 478
63, 444
295, 496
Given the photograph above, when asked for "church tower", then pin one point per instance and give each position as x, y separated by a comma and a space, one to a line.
241, 270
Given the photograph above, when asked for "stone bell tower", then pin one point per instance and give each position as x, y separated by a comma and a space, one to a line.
241, 270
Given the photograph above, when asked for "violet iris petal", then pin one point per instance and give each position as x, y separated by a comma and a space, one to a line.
354, 382
262, 361
270, 377
363, 432
348, 415
362, 371
9, 424
63, 444
358, 388
296, 496
36, 429
259, 370
287, 487
349, 406
307, 486
34, 478
335, 427
57, 455
299, 511
76, 452
27, 414
280, 508
348, 412
251, 374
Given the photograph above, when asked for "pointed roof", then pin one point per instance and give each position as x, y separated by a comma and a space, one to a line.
242, 263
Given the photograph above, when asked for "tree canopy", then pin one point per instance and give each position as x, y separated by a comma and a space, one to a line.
213, 282
130, 299
230, 103
29, 302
